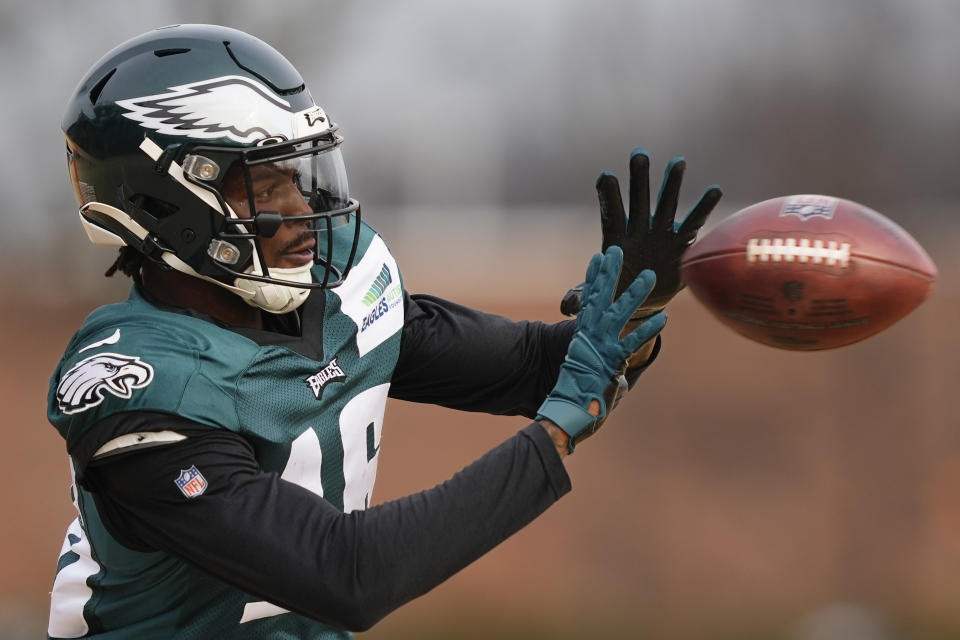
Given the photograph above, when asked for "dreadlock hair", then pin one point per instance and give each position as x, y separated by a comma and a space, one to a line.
129, 262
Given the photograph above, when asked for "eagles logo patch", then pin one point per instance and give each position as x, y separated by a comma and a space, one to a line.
83, 386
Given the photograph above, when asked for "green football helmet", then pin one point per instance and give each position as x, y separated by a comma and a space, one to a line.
159, 125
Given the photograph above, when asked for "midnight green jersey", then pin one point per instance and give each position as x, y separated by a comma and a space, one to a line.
312, 415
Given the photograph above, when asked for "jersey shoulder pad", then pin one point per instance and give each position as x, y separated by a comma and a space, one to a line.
132, 356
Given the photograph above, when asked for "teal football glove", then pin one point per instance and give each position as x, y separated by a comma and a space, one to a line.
597, 353
649, 242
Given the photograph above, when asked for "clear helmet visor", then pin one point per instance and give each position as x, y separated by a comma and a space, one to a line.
303, 180
290, 202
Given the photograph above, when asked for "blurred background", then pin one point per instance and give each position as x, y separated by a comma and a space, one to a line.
739, 491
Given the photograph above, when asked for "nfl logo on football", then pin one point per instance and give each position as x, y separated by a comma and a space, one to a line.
191, 482
809, 206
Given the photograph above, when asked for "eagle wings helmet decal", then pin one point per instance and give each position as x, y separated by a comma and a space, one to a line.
233, 107
83, 386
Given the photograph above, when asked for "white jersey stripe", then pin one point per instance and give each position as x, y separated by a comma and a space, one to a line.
70, 591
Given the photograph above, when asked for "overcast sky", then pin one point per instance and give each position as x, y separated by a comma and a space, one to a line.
499, 103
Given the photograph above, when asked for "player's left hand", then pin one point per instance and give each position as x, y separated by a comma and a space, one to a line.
656, 242
592, 371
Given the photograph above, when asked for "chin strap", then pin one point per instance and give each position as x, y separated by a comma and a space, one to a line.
276, 298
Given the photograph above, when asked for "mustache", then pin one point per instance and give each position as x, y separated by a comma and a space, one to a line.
299, 240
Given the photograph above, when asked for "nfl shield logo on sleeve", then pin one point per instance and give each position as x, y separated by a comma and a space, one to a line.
191, 482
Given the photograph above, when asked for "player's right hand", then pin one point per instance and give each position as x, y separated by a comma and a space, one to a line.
597, 353
648, 241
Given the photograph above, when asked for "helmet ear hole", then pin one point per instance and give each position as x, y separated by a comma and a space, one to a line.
154, 207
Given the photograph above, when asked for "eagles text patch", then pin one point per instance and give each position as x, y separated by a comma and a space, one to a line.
330, 373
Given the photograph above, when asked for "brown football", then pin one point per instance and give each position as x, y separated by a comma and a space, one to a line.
808, 272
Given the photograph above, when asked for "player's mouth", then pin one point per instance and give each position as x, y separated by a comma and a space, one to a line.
300, 251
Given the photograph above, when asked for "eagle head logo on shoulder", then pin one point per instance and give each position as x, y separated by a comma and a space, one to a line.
84, 385
234, 107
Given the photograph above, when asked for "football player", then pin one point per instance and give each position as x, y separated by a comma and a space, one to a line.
223, 422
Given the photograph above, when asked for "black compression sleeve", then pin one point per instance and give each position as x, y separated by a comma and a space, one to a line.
466, 359
282, 543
